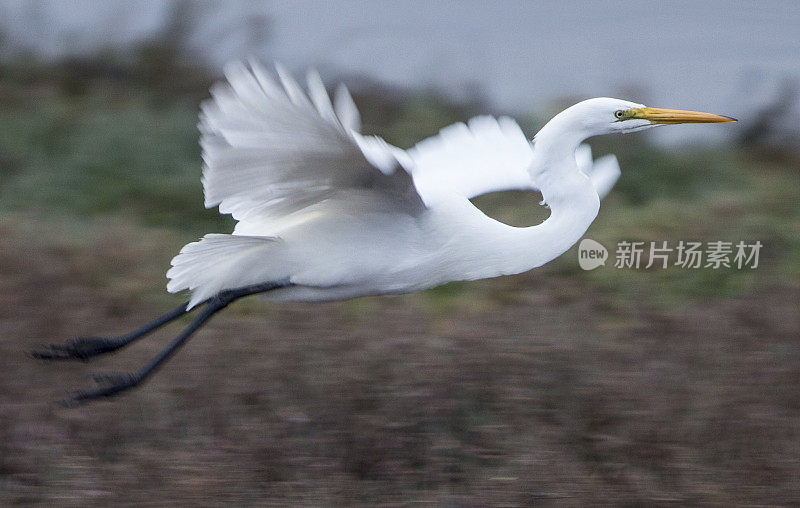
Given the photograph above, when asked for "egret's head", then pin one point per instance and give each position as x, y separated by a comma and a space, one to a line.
604, 115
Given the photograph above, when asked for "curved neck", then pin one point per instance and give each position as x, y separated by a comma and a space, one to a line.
558, 139
569, 193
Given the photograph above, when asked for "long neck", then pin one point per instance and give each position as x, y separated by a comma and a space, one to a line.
572, 199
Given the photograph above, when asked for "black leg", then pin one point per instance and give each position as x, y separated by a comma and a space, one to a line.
87, 347
112, 384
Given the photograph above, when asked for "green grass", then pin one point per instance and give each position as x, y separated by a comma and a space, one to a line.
117, 152
607, 387
75, 158
735, 200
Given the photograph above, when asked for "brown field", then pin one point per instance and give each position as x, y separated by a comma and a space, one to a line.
516, 391
555, 387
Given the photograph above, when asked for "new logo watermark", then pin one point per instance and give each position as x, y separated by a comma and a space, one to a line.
662, 254
591, 254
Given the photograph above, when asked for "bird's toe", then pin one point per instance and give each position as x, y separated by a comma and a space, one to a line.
78, 349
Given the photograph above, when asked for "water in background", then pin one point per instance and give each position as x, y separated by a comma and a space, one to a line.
716, 55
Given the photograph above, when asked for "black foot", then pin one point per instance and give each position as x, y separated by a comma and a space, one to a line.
78, 349
109, 385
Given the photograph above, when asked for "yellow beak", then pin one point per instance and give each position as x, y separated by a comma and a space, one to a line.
658, 115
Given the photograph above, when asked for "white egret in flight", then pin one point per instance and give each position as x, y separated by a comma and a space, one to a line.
326, 213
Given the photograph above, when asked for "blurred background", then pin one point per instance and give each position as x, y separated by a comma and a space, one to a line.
557, 386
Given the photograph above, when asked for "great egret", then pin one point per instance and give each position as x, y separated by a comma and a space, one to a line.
326, 213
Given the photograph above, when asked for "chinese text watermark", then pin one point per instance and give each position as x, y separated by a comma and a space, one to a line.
663, 254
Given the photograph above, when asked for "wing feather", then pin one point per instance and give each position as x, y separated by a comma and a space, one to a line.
319, 96
490, 155
484, 155
346, 109
269, 150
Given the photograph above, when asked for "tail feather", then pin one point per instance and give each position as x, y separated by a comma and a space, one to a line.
218, 262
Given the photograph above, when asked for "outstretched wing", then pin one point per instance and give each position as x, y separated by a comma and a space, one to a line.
489, 155
481, 156
603, 172
270, 149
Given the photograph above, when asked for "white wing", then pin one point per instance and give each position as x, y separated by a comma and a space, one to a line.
484, 155
603, 172
270, 150
489, 155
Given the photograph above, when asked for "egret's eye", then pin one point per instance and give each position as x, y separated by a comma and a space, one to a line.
619, 113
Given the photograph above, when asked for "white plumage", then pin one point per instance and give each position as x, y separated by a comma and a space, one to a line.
324, 212
339, 214
334, 214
